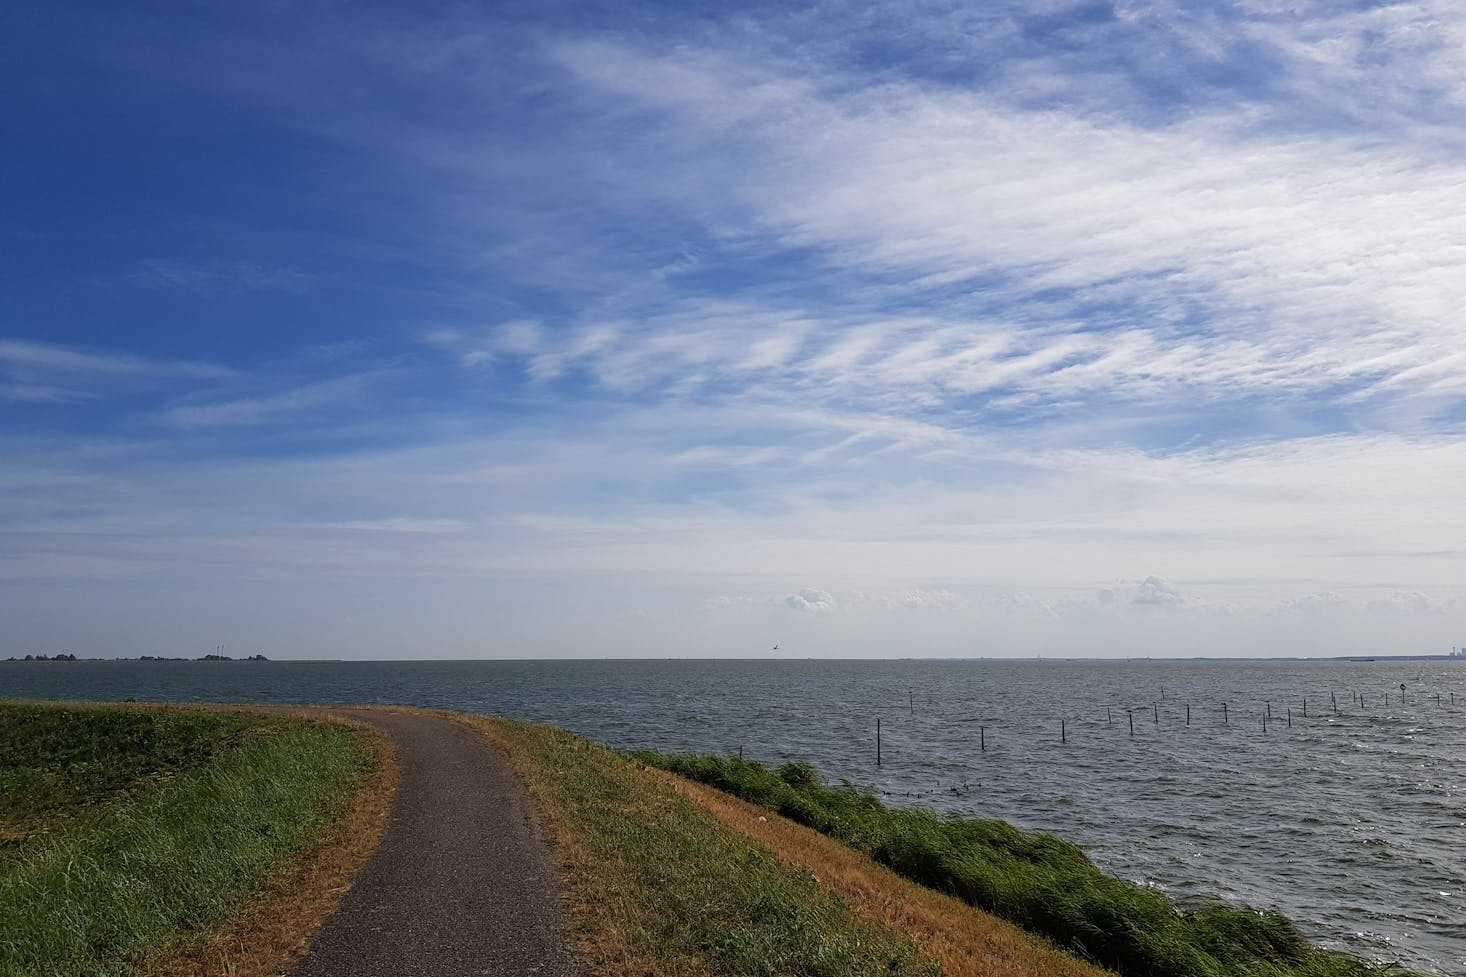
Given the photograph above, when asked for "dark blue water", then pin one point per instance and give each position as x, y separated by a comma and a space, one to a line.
1351, 822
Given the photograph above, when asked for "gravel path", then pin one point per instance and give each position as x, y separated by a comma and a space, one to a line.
462, 883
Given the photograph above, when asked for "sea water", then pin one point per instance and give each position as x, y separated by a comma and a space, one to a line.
1351, 820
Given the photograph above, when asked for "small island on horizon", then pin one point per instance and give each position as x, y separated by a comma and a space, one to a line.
140, 658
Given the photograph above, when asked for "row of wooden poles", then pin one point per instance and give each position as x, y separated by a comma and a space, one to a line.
1267, 716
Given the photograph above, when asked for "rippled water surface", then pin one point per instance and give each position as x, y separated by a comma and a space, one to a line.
1351, 820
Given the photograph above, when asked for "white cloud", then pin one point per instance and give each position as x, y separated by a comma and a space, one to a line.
1415, 603
811, 601
1156, 595
1318, 262
930, 600
264, 409
1312, 604
1155, 592
47, 373
1015, 564
28, 358
1044, 363
35, 393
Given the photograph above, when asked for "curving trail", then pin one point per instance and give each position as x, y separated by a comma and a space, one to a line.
462, 885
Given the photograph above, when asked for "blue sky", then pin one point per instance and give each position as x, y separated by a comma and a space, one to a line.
520, 330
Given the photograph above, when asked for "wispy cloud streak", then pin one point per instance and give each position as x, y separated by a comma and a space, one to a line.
1047, 323
1204, 255
29, 357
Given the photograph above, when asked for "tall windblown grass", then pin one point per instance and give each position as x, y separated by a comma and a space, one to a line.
95, 898
1037, 881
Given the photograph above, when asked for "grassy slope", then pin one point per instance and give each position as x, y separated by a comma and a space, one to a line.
1038, 881
659, 887
664, 882
144, 825
964, 942
59, 764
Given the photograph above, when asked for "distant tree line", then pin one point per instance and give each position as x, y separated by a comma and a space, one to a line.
145, 658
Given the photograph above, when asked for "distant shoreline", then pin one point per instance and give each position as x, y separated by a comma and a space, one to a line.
142, 658
146, 659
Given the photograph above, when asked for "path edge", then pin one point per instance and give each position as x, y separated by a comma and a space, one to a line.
272, 931
557, 839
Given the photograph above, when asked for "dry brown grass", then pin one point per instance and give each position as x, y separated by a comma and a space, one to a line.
608, 923
599, 941
273, 930
965, 941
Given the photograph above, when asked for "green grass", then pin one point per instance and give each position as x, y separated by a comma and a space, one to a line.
192, 811
665, 888
58, 763
1037, 881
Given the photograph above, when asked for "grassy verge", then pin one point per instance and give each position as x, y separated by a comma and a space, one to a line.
659, 886
1037, 881
62, 764
171, 822
964, 943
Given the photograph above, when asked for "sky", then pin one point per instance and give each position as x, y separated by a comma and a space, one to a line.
581, 330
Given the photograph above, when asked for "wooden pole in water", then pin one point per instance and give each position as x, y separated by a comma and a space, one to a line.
1264, 723
1335, 700
1225, 721
1156, 712
1305, 708
878, 742
1110, 715
911, 702
1063, 732
1270, 709
1290, 717
1131, 714
982, 733
1188, 714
